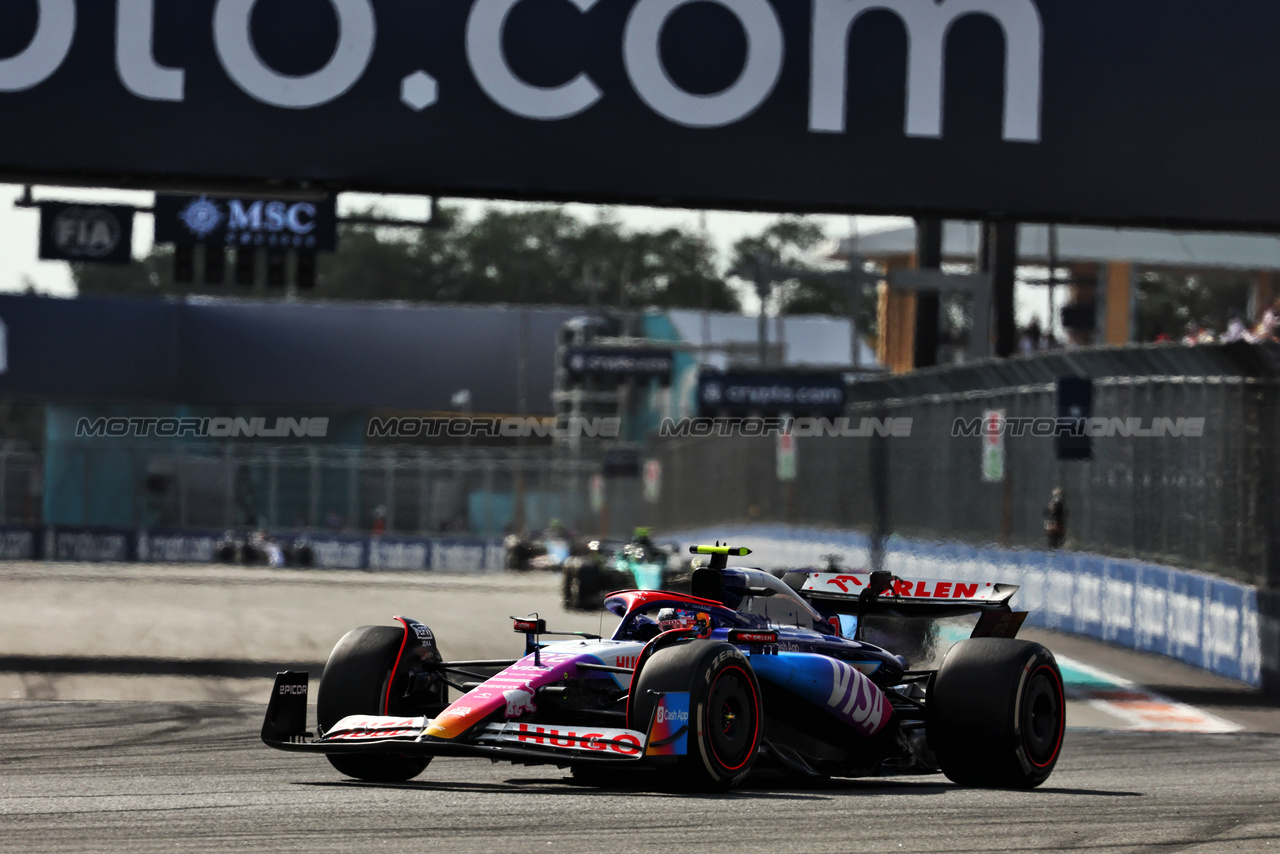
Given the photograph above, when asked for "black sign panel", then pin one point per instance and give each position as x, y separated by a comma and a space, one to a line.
620, 462
226, 221
86, 232
619, 362
771, 394
1083, 317
1099, 110
1075, 404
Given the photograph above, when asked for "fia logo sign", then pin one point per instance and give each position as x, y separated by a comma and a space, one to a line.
86, 232
100, 233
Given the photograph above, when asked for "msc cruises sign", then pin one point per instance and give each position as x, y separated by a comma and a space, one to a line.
944, 106
222, 221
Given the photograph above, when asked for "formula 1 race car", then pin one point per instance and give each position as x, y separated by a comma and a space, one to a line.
697, 690
546, 551
256, 548
639, 565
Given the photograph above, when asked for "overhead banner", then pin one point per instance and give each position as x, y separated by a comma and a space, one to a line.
226, 221
101, 234
1033, 109
771, 394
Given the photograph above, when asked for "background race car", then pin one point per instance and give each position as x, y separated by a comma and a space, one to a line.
639, 564
544, 550
257, 548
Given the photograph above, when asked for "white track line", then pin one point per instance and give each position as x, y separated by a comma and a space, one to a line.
1144, 710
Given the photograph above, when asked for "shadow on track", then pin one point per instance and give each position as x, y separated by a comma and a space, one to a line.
786, 788
557, 786
1099, 793
780, 787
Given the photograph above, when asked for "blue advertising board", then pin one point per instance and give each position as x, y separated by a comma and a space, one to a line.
770, 394
619, 362
1219, 625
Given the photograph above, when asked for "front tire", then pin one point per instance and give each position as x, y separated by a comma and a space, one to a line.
725, 711
355, 683
997, 713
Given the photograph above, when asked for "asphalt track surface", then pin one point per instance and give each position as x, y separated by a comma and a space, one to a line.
162, 777
130, 749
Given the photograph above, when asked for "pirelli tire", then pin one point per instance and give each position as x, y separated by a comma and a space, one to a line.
997, 713
726, 715
354, 682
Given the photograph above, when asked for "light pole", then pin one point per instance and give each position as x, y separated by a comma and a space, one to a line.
764, 271
854, 277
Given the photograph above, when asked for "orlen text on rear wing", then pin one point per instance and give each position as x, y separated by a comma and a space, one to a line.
854, 593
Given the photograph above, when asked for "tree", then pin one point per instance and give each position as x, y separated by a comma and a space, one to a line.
1168, 300
150, 276
383, 263
790, 242
679, 272
536, 256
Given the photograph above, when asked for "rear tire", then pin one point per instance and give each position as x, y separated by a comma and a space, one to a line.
726, 717
997, 713
355, 683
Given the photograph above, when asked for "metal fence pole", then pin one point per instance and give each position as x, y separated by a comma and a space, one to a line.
228, 480
389, 489
431, 512
181, 471
353, 487
272, 489
424, 492
4, 484
85, 467
489, 523
313, 489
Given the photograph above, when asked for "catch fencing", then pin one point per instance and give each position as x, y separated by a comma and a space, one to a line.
1203, 500
394, 489
21, 484
1197, 501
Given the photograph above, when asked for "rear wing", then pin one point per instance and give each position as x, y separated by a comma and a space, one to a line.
906, 597
854, 593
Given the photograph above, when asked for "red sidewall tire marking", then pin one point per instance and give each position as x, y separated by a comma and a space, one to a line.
1056, 680
391, 676
755, 718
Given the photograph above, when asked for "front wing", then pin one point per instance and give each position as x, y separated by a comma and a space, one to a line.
285, 729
